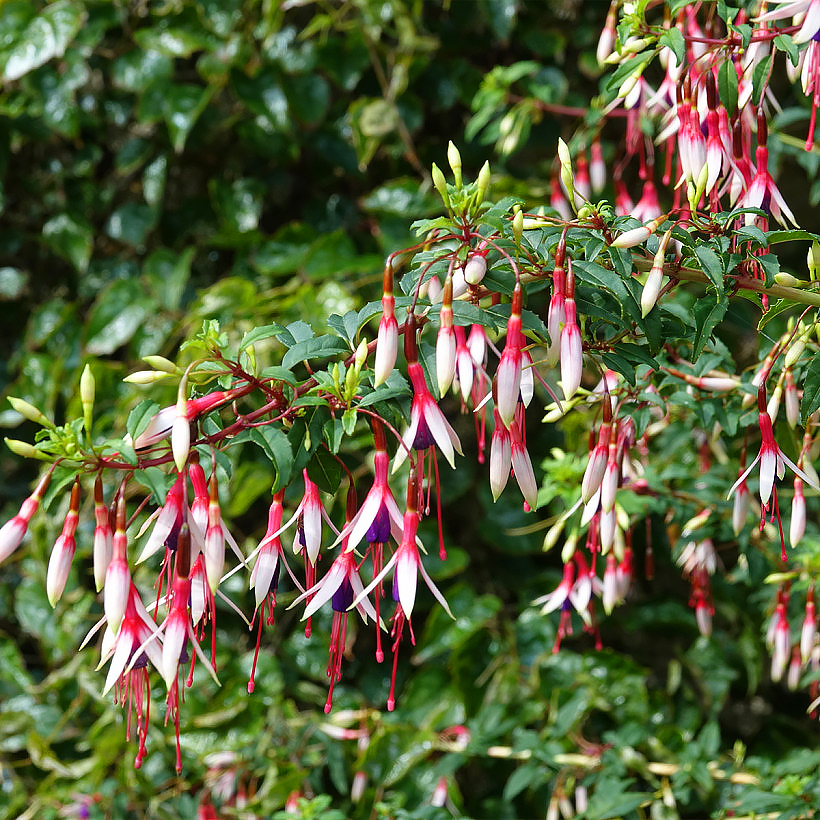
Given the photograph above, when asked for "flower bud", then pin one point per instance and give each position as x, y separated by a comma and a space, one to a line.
813, 259
87, 390
161, 363
24, 449
30, 412
787, 280
518, 227
146, 377
454, 158
482, 183
475, 268
441, 185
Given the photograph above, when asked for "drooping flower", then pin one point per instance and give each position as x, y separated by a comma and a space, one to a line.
508, 375
387, 343
130, 674
63, 552
428, 426
12, 532
103, 536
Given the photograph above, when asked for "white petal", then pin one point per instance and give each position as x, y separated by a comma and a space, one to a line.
407, 579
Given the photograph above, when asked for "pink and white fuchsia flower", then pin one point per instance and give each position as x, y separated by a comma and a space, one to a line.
428, 426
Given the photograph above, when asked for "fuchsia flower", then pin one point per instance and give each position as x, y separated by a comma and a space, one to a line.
572, 354
387, 344
810, 23
103, 537
773, 463
161, 425
508, 375
12, 532
342, 586
763, 192
118, 574
129, 673
379, 516
428, 426
406, 565
63, 552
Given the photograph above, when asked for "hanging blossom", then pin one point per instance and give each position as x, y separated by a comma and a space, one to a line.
406, 565
773, 463
343, 587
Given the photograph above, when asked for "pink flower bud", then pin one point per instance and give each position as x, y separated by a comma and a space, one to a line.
797, 525
509, 368
475, 269
103, 537
12, 532
63, 552
500, 457
572, 357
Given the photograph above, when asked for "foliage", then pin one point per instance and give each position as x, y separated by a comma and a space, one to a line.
213, 188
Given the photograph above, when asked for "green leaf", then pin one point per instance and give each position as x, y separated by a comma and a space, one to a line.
325, 471
71, 239
137, 69
796, 234
811, 390
760, 78
46, 36
775, 310
787, 44
673, 38
167, 274
238, 204
277, 448
727, 85
258, 334
118, 313
157, 481
130, 223
319, 347
181, 107
140, 416
619, 364
711, 265
707, 315
346, 326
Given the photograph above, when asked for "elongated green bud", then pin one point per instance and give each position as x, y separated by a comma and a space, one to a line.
361, 355
146, 377
482, 183
88, 388
161, 363
30, 412
518, 227
441, 185
24, 449
813, 259
454, 158
787, 280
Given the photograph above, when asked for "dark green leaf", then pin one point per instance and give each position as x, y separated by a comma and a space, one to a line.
711, 265
319, 347
811, 390
707, 315
139, 417
325, 471
47, 36
70, 238
673, 38
727, 85
277, 448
